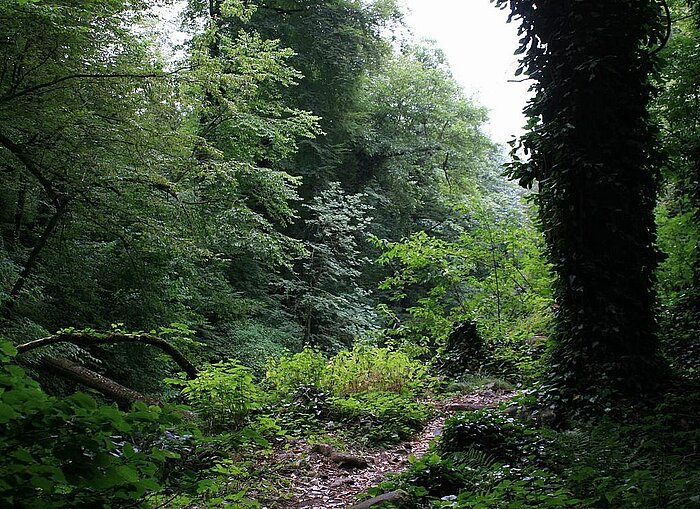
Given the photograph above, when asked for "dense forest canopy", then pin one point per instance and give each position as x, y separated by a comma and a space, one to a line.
292, 228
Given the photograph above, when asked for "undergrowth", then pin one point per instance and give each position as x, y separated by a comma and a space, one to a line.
80, 452
488, 459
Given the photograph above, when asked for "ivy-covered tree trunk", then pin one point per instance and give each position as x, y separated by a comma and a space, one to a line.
590, 148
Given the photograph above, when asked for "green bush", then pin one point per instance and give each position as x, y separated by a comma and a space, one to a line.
290, 373
651, 463
253, 340
371, 369
368, 388
510, 488
503, 438
303, 413
380, 417
473, 480
436, 476
223, 395
73, 452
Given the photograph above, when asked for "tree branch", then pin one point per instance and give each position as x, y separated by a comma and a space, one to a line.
669, 28
280, 10
87, 339
19, 153
57, 81
34, 257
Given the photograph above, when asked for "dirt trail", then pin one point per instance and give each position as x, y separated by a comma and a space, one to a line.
318, 483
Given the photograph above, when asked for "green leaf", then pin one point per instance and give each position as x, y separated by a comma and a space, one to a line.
8, 349
128, 473
7, 413
82, 400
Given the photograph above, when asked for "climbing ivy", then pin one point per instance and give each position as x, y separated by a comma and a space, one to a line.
591, 149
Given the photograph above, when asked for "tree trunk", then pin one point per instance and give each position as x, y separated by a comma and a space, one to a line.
123, 396
592, 152
33, 258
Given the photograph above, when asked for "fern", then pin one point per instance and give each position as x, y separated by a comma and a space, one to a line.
474, 459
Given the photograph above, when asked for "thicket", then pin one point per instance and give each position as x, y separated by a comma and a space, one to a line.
499, 458
79, 451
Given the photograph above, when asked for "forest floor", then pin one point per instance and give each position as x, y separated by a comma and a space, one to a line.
315, 481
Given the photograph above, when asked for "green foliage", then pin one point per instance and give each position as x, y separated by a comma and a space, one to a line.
74, 452
502, 438
416, 142
678, 212
324, 292
335, 42
156, 216
648, 460
266, 334
678, 238
379, 417
492, 275
290, 373
371, 390
223, 395
639, 459
303, 412
511, 488
371, 369
473, 480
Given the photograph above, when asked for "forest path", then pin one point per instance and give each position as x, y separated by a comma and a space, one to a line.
316, 482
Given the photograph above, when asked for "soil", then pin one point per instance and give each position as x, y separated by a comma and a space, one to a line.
317, 482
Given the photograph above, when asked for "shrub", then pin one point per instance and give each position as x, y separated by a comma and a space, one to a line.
73, 452
650, 462
380, 417
510, 488
303, 413
503, 438
253, 340
223, 395
371, 369
290, 373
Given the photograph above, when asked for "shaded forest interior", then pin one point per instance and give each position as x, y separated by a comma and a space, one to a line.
260, 234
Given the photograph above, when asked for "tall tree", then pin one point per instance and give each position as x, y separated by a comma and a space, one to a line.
135, 191
324, 292
335, 42
82, 97
417, 145
591, 150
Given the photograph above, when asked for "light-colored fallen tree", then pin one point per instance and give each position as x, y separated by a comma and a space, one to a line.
122, 395
89, 339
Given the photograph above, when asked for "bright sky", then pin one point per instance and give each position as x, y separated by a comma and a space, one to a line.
479, 45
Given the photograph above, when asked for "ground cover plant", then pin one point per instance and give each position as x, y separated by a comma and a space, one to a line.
642, 457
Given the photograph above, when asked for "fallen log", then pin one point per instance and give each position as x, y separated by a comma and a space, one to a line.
122, 395
342, 459
88, 339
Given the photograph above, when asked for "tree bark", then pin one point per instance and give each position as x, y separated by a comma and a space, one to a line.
592, 150
19, 210
123, 396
